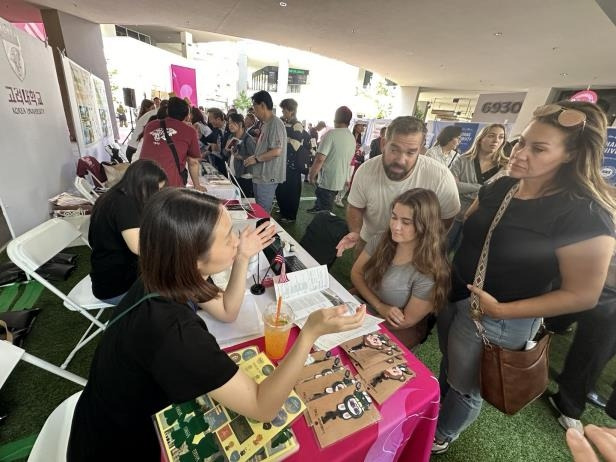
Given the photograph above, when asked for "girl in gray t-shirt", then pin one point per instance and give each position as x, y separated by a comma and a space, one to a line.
403, 273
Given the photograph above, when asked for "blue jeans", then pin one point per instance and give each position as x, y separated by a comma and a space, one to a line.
461, 348
264, 194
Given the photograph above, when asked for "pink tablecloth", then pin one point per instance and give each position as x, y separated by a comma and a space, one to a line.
408, 418
404, 433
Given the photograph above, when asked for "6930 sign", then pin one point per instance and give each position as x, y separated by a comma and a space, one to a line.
502, 107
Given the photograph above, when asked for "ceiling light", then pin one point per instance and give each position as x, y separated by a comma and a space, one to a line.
283, 4
563, 74
498, 34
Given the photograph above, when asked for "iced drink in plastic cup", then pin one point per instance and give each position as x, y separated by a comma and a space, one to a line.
277, 333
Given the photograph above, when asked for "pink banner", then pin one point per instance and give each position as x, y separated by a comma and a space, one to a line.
35, 29
184, 83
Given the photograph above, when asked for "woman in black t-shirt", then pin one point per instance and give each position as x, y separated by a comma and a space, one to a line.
160, 351
114, 230
559, 223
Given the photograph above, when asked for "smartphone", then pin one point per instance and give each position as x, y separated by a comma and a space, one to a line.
232, 144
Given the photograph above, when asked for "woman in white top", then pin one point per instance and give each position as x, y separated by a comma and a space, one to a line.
446, 143
147, 110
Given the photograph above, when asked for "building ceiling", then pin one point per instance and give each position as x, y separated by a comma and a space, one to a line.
486, 45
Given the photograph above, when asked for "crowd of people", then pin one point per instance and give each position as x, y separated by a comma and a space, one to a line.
538, 218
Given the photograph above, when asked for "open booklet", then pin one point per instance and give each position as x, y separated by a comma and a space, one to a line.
307, 291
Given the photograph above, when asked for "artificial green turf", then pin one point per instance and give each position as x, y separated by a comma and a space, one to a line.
31, 394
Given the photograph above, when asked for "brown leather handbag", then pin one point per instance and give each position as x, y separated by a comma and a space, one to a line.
509, 379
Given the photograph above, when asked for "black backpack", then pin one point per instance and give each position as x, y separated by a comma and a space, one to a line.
322, 236
302, 156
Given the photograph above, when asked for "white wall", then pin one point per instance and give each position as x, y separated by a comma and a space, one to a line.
534, 97
407, 101
146, 68
331, 83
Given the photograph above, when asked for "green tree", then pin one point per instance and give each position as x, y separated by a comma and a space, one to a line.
242, 101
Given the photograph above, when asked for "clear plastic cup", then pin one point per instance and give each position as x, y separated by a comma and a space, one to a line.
277, 331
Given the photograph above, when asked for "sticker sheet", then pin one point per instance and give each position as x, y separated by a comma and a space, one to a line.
203, 430
383, 379
341, 414
320, 368
371, 349
325, 385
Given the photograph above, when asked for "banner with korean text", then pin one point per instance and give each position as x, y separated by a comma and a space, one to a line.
37, 162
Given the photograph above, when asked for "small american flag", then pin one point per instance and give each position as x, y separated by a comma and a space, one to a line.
283, 270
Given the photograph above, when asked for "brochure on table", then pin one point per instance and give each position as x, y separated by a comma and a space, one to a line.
308, 290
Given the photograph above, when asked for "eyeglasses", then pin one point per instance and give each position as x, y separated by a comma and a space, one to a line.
567, 117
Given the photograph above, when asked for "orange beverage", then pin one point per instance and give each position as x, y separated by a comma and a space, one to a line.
277, 332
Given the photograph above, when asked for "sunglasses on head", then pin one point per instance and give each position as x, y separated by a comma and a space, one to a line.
567, 117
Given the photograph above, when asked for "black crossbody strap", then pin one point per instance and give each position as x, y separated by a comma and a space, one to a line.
163, 124
125, 312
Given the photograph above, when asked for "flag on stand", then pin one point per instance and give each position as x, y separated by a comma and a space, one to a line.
279, 258
283, 269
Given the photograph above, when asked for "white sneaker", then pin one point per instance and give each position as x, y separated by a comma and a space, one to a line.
439, 448
567, 422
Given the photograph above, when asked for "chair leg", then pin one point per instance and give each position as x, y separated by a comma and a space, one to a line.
83, 341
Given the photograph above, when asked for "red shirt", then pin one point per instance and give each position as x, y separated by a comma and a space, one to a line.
155, 147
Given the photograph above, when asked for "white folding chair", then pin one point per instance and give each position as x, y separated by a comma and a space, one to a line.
10, 355
52, 442
37, 246
86, 189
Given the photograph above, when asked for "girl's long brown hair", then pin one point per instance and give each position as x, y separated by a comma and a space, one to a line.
429, 256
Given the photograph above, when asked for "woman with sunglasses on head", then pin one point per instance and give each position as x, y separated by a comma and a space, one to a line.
157, 351
558, 223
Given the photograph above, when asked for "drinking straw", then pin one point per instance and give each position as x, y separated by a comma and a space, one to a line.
278, 305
